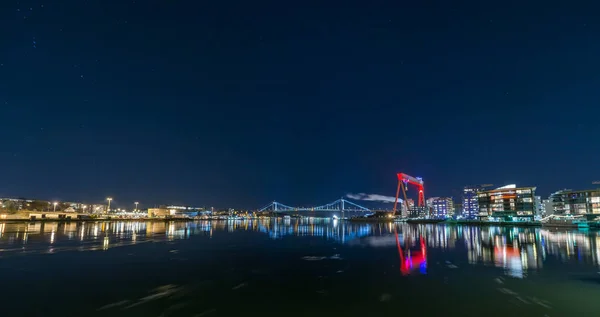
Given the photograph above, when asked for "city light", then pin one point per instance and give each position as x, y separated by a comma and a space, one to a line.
109, 200
54, 203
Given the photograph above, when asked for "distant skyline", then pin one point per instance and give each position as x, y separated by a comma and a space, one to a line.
236, 104
368, 200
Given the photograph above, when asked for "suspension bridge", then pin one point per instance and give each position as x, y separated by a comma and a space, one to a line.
341, 205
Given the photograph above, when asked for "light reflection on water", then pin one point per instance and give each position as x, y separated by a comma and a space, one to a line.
516, 250
334, 267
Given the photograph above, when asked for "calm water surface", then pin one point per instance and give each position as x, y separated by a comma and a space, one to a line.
272, 267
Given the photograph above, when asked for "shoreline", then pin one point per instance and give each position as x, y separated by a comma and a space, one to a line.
356, 220
496, 223
98, 219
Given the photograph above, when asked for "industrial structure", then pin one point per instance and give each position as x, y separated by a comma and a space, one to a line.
403, 181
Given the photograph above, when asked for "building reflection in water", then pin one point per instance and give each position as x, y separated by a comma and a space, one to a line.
515, 250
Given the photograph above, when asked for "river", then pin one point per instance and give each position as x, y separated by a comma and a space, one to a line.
276, 267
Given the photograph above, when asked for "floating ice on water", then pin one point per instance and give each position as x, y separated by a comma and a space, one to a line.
507, 291
313, 258
540, 302
206, 312
522, 300
385, 297
164, 288
161, 291
320, 258
235, 288
115, 304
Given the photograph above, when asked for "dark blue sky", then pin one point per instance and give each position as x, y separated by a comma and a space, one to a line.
237, 103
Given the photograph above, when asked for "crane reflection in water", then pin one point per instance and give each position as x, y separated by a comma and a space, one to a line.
412, 259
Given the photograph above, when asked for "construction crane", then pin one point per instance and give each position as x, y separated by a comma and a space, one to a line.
403, 181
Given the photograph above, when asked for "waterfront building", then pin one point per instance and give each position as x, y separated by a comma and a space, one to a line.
410, 203
22, 204
470, 201
539, 207
413, 211
74, 205
160, 212
175, 211
548, 208
97, 209
507, 202
187, 209
558, 201
14, 204
403, 210
458, 208
441, 206
576, 202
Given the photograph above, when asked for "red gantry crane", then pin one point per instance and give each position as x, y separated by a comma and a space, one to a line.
403, 181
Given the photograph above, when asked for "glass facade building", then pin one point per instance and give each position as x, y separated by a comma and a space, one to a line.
581, 202
470, 201
507, 202
558, 201
441, 207
539, 206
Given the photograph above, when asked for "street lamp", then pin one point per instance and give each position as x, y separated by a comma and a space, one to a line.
54, 203
83, 207
136, 205
109, 200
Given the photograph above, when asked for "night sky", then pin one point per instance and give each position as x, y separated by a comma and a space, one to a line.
238, 103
